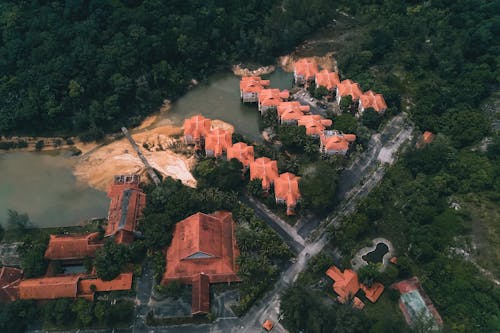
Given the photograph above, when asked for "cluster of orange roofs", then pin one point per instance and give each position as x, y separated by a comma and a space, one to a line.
127, 202
217, 142
346, 286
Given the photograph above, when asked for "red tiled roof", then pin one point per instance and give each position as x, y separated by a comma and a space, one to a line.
272, 97
294, 105
218, 141
253, 84
347, 87
196, 127
427, 137
373, 293
327, 79
336, 142
127, 202
346, 284
121, 282
266, 169
10, 278
242, 152
314, 124
286, 188
200, 297
371, 100
49, 287
306, 67
71, 247
268, 325
203, 243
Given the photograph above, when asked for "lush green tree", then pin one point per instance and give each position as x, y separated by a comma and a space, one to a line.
254, 187
320, 92
219, 173
17, 222
346, 103
345, 123
15, 316
58, 312
111, 259
32, 257
318, 187
371, 118
369, 274
270, 118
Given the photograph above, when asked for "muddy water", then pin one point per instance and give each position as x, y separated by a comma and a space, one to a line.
43, 186
219, 98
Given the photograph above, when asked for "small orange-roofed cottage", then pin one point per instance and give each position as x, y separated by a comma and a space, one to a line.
333, 142
286, 191
242, 152
127, 202
373, 293
217, 142
345, 285
271, 98
304, 70
72, 247
203, 251
314, 124
371, 100
265, 169
195, 129
348, 88
10, 278
250, 86
327, 79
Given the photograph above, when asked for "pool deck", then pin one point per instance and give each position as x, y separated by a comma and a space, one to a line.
357, 262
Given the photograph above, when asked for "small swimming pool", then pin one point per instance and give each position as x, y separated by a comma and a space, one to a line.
376, 255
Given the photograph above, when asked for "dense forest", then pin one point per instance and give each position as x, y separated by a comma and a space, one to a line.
90, 66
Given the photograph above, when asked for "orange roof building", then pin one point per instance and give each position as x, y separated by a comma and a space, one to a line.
271, 98
71, 286
72, 247
203, 251
250, 86
304, 70
286, 191
49, 287
373, 293
242, 152
10, 278
127, 202
217, 142
348, 88
87, 286
371, 100
346, 285
266, 169
314, 124
290, 112
334, 142
327, 79
195, 129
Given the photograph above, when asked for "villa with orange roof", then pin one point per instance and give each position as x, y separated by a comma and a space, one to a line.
265, 169
203, 251
73, 247
334, 142
195, 129
371, 100
271, 98
346, 286
242, 152
327, 79
314, 124
125, 209
250, 86
348, 88
10, 278
217, 142
286, 191
304, 71
290, 112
